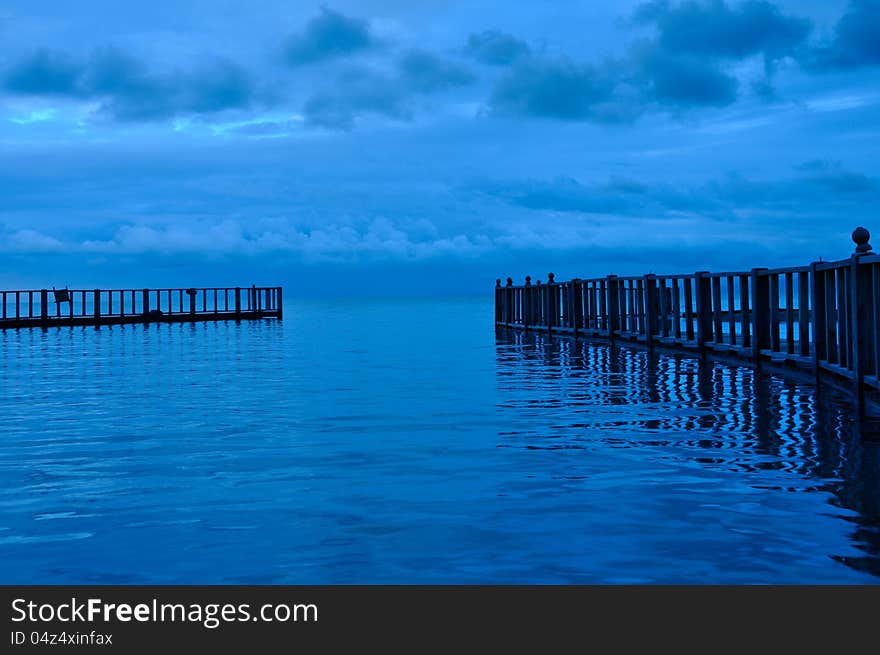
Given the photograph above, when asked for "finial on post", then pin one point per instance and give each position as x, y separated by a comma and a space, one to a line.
861, 236
498, 283
510, 281
550, 279
528, 280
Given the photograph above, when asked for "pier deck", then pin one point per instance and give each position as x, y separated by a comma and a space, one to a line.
69, 307
823, 318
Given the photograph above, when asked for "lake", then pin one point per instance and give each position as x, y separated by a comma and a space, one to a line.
404, 441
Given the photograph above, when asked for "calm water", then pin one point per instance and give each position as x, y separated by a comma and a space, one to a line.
401, 441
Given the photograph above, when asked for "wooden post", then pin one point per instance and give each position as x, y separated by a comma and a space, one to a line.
818, 318
651, 302
703, 283
550, 308
760, 313
146, 302
577, 305
528, 304
731, 310
861, 308
238, 301
804, 312
279, 305
44, 306
774, 312
497, 301
717, 319
744, 305
613, 305
97, 304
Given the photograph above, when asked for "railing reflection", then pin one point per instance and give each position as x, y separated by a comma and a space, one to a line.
575, 394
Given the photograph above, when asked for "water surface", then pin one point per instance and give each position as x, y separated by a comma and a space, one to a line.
403, 441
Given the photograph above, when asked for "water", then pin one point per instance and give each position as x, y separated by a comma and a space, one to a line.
399, 441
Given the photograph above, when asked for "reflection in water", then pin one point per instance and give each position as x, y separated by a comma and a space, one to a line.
671, 407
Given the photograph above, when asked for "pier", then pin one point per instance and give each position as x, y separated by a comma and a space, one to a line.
68, 307
822, 319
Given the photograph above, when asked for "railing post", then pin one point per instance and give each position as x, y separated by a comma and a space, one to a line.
818, 317
613, 305
237, 301
861, 315
761, 313
146, 301
97, 302
577, 305
651, 301
44, 306
508, 298
551, 305
497, 301
279, 305
528, 304
703, 283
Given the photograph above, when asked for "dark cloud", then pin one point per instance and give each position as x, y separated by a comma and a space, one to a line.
855, 42
496, 48
361, 91
831, 175
681, 80
715, 29
559, 89
819, 190
356, 93
328, 36
424, 72
618, 196
126, 90
43, 73
562, 194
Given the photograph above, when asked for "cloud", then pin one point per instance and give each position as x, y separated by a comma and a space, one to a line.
820, 189
496, 48
423, 72
44, 73
558, 88
618, 196
126, 91
832, 176
355, 93
376, 238
681, 80
562, 194
855, 42
361, 91
330, 35
712, 28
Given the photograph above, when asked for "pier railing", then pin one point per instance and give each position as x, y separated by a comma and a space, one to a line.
824, 317
47, 307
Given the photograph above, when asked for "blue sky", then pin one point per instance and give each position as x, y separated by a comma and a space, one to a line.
399, 147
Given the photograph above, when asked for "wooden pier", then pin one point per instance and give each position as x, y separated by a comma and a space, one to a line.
60, 307
823, 319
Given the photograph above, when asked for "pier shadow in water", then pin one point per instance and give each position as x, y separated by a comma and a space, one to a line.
668, 407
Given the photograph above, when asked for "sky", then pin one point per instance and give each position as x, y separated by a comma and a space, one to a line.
387, 147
